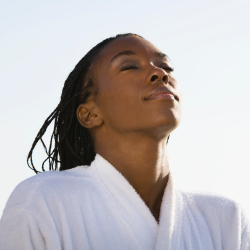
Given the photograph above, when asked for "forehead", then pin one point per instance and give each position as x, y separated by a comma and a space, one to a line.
130, 43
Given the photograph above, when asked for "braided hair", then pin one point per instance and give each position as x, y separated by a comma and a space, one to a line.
71, 144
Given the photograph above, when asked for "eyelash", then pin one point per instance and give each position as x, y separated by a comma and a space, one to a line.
129, 67
168, 69
135, 67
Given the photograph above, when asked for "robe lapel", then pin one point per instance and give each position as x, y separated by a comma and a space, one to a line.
138, 219
169, 227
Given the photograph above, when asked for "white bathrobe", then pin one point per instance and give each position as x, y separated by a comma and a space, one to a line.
96, 208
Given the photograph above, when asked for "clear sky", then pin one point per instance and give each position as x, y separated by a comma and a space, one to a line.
207, 41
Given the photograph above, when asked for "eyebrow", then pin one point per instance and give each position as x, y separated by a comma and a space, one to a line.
161, 55
123, 53
130, 52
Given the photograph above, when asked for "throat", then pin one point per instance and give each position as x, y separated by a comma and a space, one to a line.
154, 199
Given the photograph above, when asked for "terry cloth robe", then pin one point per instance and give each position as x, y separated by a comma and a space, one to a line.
96, 208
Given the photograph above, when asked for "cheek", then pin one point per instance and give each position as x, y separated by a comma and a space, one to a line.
120, 105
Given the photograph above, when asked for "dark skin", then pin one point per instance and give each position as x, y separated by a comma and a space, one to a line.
129, 128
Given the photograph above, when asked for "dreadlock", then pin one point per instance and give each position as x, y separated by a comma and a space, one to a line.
71, 144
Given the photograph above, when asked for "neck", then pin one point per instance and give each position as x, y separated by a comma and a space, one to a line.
143, 162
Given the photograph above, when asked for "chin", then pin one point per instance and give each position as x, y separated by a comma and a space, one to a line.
161, 131
166, 124
170, 125
170, 117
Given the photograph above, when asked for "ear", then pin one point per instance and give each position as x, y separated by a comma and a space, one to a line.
88, 115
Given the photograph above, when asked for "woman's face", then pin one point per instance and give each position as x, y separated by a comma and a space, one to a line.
137, 91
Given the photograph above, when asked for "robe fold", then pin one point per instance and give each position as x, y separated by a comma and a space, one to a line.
94, 208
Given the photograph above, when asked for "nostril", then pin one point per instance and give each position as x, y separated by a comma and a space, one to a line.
153, 78
164, 78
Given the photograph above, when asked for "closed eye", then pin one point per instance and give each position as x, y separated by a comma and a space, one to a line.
166, 68
127, 67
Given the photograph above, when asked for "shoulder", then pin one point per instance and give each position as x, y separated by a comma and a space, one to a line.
49, 185
207, 199
212, 205
223, 215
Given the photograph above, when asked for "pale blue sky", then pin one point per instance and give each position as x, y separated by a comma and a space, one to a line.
207, 41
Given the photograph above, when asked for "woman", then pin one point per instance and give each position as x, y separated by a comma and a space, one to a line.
117, 110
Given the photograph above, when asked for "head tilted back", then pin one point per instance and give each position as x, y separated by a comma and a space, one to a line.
71, 144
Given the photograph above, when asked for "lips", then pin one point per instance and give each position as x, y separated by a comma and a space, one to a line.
162, 93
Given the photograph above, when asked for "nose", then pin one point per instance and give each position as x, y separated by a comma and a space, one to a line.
157, 75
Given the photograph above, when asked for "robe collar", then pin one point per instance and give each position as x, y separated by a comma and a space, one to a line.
167, 229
